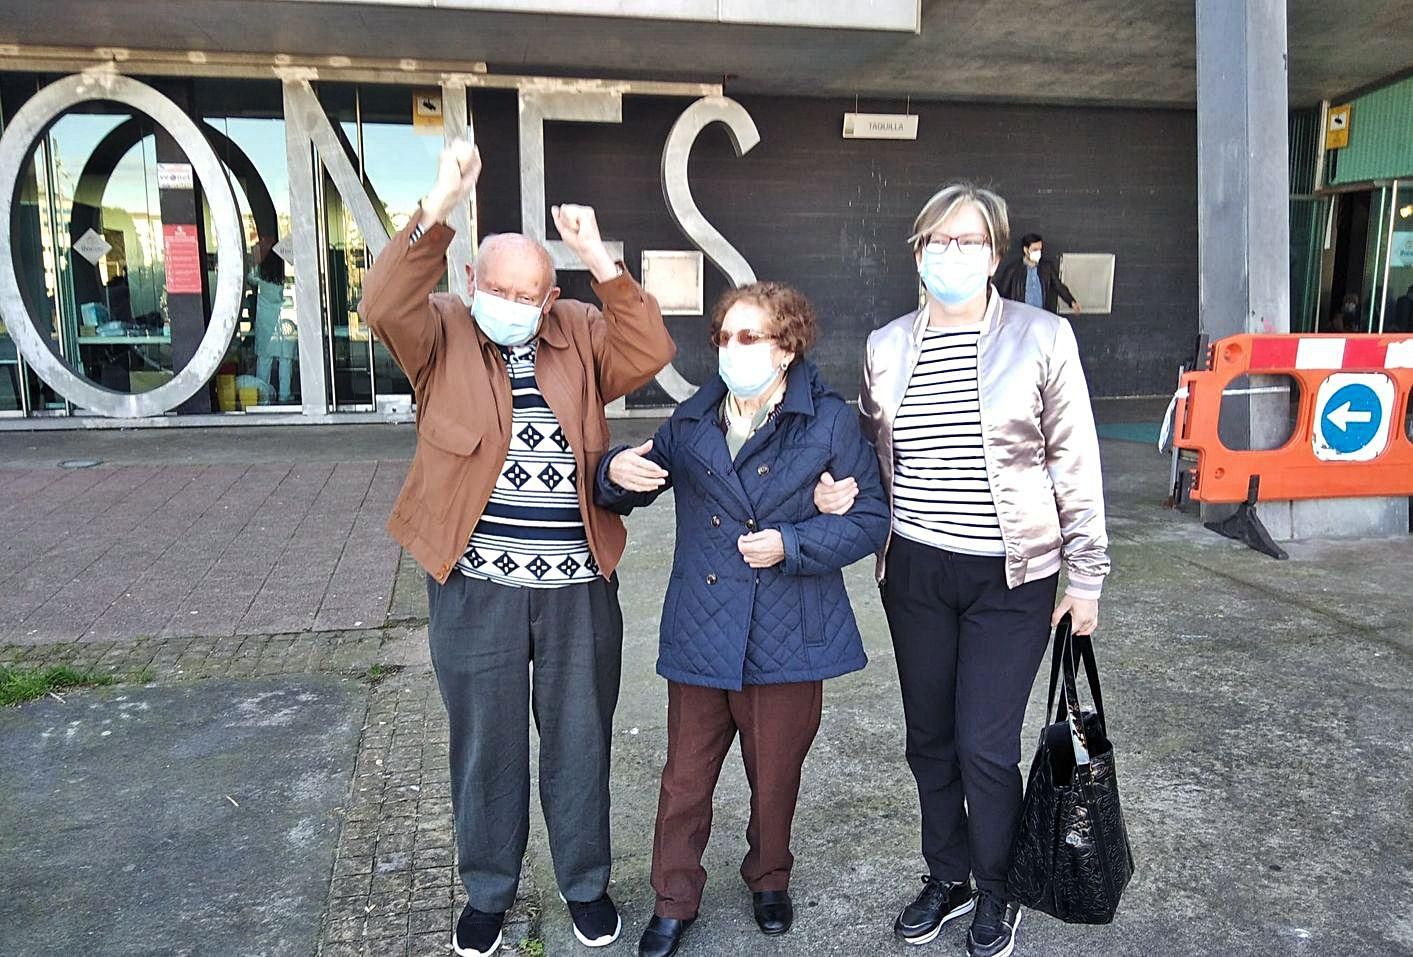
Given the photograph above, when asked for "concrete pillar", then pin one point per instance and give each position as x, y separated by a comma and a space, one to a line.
1243, 221
182, 205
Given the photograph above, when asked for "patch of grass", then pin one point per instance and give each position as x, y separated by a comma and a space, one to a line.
142, 676
377, 673
532, 948
18, 685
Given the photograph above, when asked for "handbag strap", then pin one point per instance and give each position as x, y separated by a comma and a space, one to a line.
1067, 647
1057, 654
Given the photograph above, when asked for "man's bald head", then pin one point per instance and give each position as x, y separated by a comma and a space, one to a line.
514, 266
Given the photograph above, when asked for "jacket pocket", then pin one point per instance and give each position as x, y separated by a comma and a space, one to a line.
812, 616
439, 469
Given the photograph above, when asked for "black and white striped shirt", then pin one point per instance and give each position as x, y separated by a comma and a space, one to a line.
941, 494
531, 534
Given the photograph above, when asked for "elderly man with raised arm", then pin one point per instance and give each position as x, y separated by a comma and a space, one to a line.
498, 508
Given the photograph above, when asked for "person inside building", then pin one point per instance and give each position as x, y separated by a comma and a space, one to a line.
980, 413
756, 616
1347, 318
1034, 279
275, 347
498, 508
1402, 314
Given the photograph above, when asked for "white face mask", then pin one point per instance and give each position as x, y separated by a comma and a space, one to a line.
1034, 255
505, 322
748, 371
953, 276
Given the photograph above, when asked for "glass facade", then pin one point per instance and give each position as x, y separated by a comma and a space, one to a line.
90, 246
1398, 286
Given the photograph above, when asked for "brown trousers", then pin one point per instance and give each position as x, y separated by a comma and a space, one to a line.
777, 725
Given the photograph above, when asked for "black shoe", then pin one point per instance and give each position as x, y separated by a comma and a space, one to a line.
662, 935
477, 934
993, 928
596, 923
774, 911
940, 901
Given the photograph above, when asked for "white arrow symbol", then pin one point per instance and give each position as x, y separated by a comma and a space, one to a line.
1344, 415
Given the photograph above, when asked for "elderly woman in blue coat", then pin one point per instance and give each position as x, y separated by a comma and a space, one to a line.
756, 615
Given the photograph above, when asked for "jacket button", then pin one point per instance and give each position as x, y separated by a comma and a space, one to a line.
716, 521
709, 473
711, 579
751, 524
763, 470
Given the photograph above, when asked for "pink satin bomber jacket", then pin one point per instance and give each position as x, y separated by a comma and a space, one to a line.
1041, 446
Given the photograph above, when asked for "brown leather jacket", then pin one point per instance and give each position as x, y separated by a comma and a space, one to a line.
587, 358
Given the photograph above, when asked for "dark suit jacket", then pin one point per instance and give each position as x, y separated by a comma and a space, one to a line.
1010, 282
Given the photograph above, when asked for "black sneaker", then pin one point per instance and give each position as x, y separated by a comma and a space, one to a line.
596, 923
993, 928
940, 901
477, 934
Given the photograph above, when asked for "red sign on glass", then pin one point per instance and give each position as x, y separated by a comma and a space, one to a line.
183, 259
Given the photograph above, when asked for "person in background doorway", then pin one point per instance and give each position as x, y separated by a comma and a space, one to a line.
498, 509
1402, 313
1347, 318
271, 343
1034, 279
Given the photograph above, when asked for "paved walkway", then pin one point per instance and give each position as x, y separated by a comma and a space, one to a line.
130, 551
1261, 711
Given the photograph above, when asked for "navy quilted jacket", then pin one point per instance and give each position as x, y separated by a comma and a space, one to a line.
725, 624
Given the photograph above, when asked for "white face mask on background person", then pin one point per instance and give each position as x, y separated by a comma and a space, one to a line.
954, 276
505, 322
748, 371
1034, 255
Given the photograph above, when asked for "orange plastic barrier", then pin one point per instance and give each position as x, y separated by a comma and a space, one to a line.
1351, 433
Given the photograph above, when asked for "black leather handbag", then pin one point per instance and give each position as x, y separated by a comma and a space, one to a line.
1071, 858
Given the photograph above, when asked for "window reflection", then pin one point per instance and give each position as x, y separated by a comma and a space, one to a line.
87, 240
244, 122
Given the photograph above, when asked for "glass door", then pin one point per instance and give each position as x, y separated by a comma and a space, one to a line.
1398, 263
396, 161
244, 122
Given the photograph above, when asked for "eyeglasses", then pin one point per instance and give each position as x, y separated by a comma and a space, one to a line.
937, 243
743, 337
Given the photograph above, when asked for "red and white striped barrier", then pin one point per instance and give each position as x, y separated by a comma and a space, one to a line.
1282, 353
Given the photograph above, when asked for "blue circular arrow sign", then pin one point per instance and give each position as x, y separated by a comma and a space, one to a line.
1351, 418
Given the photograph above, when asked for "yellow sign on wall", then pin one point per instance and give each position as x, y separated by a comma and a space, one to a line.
427, 111
1337, 127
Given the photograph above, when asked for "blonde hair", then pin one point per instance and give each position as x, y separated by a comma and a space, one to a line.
946, 200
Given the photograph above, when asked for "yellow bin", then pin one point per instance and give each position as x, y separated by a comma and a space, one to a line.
226, 393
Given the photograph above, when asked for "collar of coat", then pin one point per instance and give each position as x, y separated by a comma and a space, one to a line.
801, 384
990, 319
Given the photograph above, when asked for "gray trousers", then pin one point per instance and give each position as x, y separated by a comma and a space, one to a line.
484, 637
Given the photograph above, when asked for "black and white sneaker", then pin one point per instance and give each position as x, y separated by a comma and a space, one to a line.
993, 928
596, 923
940, 901
477, 933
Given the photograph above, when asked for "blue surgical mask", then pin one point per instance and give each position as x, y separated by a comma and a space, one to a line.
953, 276
748, 371
505, 322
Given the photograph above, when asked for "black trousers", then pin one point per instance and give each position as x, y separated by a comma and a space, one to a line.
968, 649
484, 637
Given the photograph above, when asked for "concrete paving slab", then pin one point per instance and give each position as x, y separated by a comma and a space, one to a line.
187, 819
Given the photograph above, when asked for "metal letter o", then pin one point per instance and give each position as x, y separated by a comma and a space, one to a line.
26, 125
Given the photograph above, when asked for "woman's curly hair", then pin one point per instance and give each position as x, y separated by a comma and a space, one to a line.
792, 325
